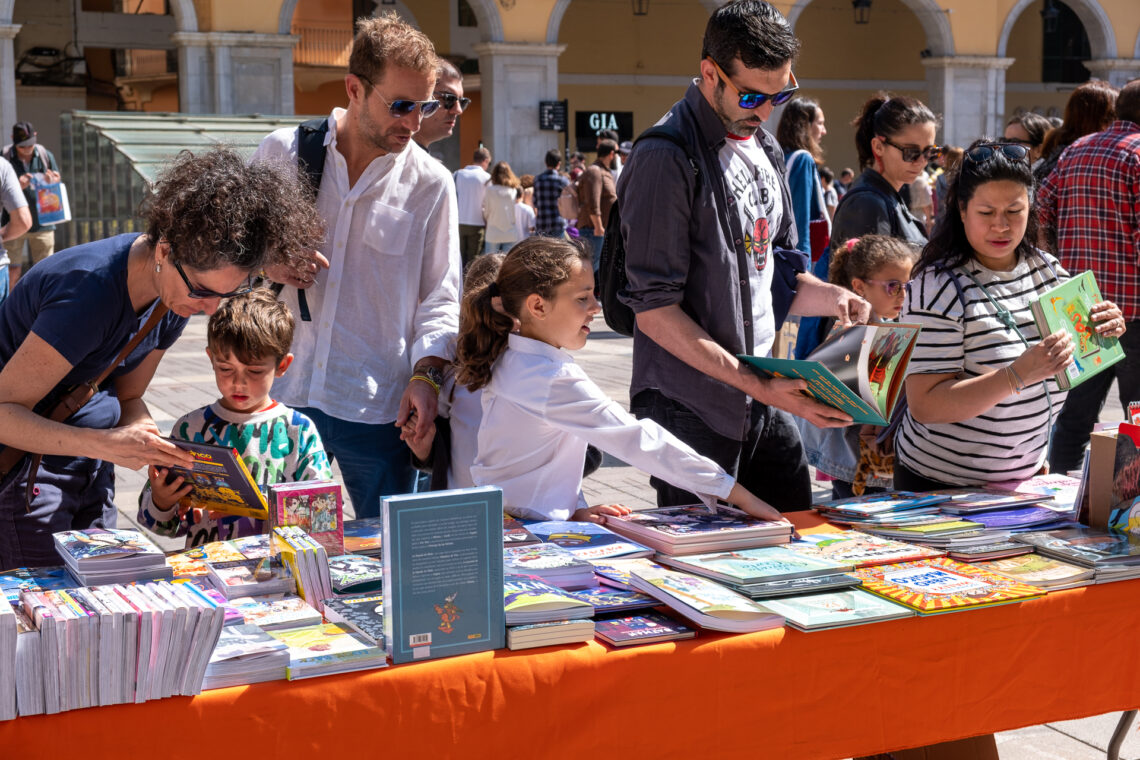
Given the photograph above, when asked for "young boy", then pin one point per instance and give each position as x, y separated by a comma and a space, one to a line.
248, 341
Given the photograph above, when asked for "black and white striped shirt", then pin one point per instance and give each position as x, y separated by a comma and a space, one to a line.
961, 333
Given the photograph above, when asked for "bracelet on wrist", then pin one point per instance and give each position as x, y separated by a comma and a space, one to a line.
426, 379
1017, 377
1011, 378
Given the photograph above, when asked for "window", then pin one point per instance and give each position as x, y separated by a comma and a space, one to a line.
465, 15
1065, 49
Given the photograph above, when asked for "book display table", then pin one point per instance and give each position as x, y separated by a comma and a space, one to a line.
774, 694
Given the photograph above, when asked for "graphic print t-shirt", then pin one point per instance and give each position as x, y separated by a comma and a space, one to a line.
752, 180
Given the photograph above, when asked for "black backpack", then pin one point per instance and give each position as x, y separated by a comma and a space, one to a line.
612, 279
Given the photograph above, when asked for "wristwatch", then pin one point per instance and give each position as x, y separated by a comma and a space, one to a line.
433, 373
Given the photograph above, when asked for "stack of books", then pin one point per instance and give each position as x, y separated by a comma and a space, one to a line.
704, 602
836, 609
587, 541
275, 612
96, 556
251, 577
1043, 572
327, 649
307, 559
245, 654
363, 614
766, 572
1114, 556
539, 614
698, 529
549, 562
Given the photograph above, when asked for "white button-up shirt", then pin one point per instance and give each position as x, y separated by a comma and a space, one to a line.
391, 293
470, 185
539, 412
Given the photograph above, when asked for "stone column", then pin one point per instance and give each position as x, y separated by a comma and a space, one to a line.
1116, 71
514, 77
969, 93
8, 113
235, 72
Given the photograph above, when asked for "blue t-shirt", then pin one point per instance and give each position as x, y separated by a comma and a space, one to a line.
77, 301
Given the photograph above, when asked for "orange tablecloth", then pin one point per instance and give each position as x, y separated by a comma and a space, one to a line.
776, 694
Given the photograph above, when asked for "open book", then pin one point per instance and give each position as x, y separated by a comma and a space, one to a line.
1066, 307
858, 370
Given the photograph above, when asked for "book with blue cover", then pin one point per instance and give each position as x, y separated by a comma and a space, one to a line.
528, 599
606, 599
12, 582
586, 540
443, 573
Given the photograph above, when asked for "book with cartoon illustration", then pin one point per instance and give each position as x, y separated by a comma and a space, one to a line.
696, 528
245, 654
528, 599
748, 566
363, 536
328, 648
1038, 570
1066, 307
443, 573
587, 540
356, 574
852, 547
818, 612
607, 599
704, 602
363, 614
221, 482
643, 628
858, 369
279, 611
315, 506
941, 585
18, 579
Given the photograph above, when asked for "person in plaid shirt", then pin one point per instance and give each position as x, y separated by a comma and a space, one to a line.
547, 187
1093, 199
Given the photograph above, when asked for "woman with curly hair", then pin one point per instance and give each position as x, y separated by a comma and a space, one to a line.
211, 223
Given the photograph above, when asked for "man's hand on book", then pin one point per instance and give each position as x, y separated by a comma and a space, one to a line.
788, 394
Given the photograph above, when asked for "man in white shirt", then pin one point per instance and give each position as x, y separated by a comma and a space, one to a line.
385, 308
470, 186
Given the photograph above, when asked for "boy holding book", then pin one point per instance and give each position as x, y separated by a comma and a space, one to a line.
248, 341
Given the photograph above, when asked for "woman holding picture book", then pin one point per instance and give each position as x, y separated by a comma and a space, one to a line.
72, 374
981, 391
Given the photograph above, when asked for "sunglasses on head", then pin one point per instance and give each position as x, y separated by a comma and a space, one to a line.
448, 100
401, 108
890, 287
911, 153
196, 292
983, 153
751, 100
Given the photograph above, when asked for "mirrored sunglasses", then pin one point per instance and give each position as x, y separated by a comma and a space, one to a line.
448, 100
401, 108
751, 100
983, 153
911, 153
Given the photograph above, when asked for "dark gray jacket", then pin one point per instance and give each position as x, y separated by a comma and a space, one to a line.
684, 245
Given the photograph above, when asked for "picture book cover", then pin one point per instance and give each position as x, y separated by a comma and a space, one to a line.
363, 536
1037, 570
215, 551
1066, 307
443, 573
356, 574
851, 547
252, 577
221, 481
963, 501
1060, 490
528, 599
54, 578
315, 506
695, 521
515, 533
703, 601
363, 614
606, 599
858, 369
748, 566
286, 611
879, 503
252, 547
815, 612
540, 558
1018, 517
182, 565
940, 585
1090, 547
616, 572
328, 648
587, 540
244, 641
643, 628
97, 547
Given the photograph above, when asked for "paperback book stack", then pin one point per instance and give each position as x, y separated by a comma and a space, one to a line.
907, 516
245, 654
539, 614
551, 563
251, 577
96, 556
329, 648
308, 561
1044, 572
698, 529
587, 541
767, 572
704, 602
1114, 556
275, 612
356, 574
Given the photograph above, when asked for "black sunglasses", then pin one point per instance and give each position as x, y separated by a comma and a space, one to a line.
751, 100
911, 153
448, 100
400, 108
983, 153
206, 292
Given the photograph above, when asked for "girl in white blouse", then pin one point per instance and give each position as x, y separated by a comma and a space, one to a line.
540, 410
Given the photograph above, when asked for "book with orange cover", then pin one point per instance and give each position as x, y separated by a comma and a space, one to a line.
939, 585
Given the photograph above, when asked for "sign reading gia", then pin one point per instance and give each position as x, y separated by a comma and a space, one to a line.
587, 124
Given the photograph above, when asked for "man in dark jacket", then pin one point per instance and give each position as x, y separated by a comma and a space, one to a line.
703, 256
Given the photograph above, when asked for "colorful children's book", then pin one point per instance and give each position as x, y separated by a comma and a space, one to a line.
252, 577
749, 566
363, 614
245, 654
939, 585
1066, 307
221, 481
695, 529
363, 536
12, 582
516, 534
315, 506
706, 603
817, 612
558, 632
551, 563
1037, 570
606, 599
271, 612
252, 547
356, 574
643, 628
443, 573
858, 370
885, 502
851, 547
528, 599
96, 556
328, 648
1088, 547
616, 572
587, 540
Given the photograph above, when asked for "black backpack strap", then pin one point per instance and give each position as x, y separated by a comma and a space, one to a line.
670, 133
311, 160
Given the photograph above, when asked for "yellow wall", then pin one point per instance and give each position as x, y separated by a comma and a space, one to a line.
526, 20
231, 16
323, 13
667, 41
322, 100
835, 47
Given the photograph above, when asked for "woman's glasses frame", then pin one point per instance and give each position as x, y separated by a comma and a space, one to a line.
911, 153
979, 154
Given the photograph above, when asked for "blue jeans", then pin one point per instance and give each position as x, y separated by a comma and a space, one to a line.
498, 247
770, 462
374, 462
587, 234
1083, 406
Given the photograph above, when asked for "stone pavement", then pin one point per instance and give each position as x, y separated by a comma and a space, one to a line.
185, 381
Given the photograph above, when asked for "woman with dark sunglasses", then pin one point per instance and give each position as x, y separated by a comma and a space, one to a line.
981, 391
894, 137
211, 223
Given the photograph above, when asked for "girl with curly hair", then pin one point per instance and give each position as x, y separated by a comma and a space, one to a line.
212, 222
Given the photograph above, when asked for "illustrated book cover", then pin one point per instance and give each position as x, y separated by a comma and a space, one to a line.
940, 585
220, 480
1066, 307
858, 370
356, 574
443, 573
705, 602
749, 566
314, 506
836, 609
586, 540
851, 547
363, 536
328, 648
363, 614
528, 599
642, 628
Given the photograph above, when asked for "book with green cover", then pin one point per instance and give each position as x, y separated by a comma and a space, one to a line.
1066, 307
858, 370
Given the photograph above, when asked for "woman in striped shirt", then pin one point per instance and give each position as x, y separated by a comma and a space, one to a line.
980, 388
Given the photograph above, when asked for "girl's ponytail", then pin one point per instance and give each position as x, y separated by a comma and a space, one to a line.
482, 336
